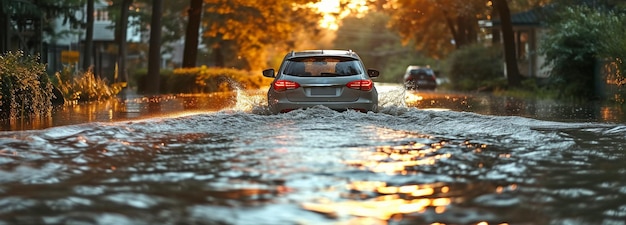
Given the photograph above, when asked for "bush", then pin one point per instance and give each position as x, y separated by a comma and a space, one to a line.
84, 86
204, 80
476, 67
141, 79
223, 79
531, 89
24, 87
393, 71
577, 42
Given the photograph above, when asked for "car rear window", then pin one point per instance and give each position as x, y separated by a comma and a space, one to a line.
421, 72
322, 66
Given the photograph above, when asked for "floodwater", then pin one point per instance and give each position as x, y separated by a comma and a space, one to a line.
241, 165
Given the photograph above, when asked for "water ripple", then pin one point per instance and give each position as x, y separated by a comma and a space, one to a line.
315, 166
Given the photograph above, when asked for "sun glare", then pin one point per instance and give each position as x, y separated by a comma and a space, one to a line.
332, 13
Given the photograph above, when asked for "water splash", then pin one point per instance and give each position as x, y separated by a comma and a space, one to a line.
390, 95
313, 166
390, 98
250, 101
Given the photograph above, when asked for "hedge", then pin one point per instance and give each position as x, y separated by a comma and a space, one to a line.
203, 80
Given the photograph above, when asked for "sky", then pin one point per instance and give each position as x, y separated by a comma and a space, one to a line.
332, 12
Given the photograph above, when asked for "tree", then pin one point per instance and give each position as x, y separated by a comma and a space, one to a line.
512, 70
192, 35
172, 21
580, 38
20, 12
240, 33
121, 40
374, 39
437, 26
378, 46
523, 5
32, 16
252, 28
154, 54
88, 47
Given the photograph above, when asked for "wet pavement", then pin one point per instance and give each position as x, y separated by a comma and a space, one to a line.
241, 165
132, 106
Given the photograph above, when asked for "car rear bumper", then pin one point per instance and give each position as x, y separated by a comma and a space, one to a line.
360, 105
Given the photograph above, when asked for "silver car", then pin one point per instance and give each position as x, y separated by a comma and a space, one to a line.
336, 79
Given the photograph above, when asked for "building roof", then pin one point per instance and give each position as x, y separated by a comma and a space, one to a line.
534, 17
530, 17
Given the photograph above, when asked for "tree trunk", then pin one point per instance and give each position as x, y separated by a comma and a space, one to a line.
512, 71
461, 32
451, 26
218, 56
154, 54
495, 32
122, 75
191, 37
472, 32
4, 26
88, 48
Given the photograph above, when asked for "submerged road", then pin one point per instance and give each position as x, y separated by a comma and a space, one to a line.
241, 165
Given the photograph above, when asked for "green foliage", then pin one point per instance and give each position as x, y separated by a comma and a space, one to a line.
395, 67
204, 80
476, 67
577, 42
141, 77
378, 47
24, 86
22, 15
615, 51
84, 86
247, 33
432, 24
257, 28
13, 7
530, 89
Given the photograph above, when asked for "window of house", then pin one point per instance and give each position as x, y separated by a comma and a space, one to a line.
522, 44
101, 15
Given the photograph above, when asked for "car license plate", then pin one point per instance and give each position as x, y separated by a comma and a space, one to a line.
422, 82
323, 91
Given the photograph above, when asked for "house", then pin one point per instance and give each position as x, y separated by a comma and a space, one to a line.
68, 44
529, 27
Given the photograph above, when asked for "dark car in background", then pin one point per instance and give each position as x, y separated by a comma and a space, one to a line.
420, 78
336, 79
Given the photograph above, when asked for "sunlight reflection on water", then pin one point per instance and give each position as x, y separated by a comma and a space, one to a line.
242, 165
392, 96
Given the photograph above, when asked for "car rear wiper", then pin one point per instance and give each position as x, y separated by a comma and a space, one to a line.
330, 74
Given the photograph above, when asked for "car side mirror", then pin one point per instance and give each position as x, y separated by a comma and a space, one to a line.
373, 73
268, 73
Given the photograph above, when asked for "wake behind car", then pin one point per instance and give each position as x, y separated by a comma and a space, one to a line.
336, 79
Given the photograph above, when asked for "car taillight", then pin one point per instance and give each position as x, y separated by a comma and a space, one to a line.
282, 85
363, 85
